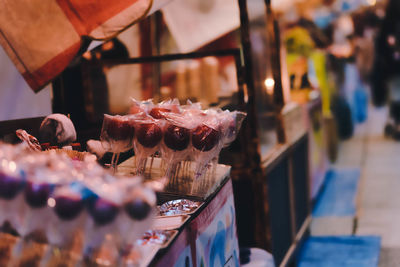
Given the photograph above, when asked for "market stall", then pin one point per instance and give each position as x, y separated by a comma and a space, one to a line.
267, 185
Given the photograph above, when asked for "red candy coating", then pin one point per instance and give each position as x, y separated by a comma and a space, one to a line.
149, 134
118, 128
137, 209
157, 112
205, 138
176, 138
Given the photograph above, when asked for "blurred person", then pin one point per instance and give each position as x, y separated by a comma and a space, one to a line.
385, 78
365, 26
96, 84
344, 74
85, 86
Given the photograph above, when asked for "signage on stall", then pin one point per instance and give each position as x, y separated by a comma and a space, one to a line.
210, 239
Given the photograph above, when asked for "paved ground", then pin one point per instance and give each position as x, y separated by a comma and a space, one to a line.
378, 198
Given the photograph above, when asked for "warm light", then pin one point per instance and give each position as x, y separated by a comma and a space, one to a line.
269, 84
371, 2
13, 166
51, 202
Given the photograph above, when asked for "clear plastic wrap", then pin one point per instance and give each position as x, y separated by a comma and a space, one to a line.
61, 198
138, 107
181, 134
231, 122
116, 136
206, 142
149, 133
176, 145
160, 110
117, 133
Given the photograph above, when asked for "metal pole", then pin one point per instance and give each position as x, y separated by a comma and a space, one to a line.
261, 232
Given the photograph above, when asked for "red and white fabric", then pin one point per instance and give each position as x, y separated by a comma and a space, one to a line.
42, 36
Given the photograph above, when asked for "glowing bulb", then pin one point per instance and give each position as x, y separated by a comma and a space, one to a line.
269, 84
371, 2
51, 202
13, 166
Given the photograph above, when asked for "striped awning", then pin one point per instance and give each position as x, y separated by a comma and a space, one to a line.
43, 36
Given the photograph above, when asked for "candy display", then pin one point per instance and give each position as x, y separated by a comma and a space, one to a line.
116, 135
176, 133
51, 193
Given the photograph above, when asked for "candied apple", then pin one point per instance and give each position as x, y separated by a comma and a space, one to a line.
176, 138
137, 209
36, 194
149, 134
205, 138
102, 211
68, 207
119, 128
157, 112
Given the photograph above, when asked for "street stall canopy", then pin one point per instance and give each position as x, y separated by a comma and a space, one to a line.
42, 36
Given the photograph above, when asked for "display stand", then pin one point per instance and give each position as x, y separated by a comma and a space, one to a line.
208, 237
269, 190
271, 187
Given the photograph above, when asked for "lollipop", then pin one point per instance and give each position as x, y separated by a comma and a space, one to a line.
148, 137
116, 135
206, 141
159, 111
67, 203
205, 138
103, 210
122, 209
176, 141
230, 123
149, 134
176, 138
36, 194
51, 193
12, 182
44, 171
36, 212
138, 206
137, 209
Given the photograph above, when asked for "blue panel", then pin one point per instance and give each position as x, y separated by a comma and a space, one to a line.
337, 198
343, 251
